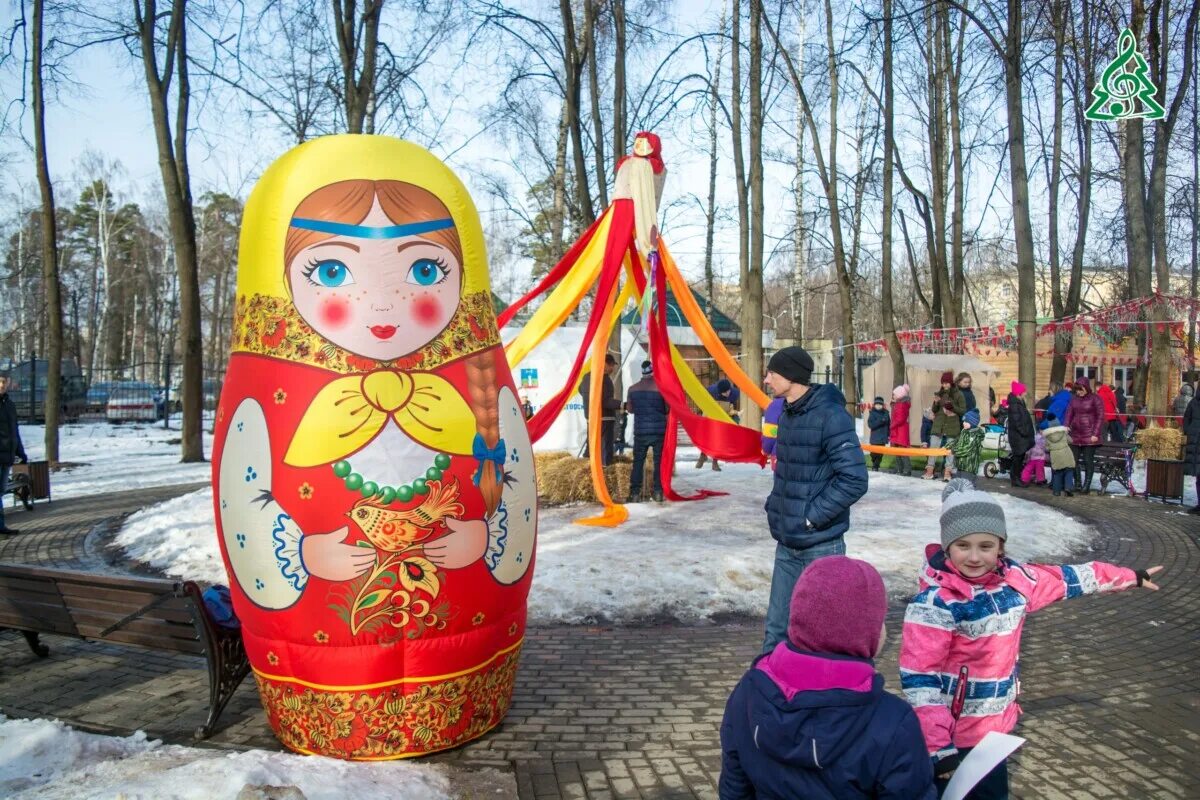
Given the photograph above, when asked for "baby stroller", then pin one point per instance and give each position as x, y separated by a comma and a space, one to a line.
997, 439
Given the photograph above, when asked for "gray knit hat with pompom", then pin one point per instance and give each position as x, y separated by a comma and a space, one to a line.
966, 510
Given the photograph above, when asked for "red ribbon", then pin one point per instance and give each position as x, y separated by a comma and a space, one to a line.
720, 440
554, 275
614, 250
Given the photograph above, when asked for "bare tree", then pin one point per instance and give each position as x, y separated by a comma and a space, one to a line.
889, 106
49, 237
827, 172
710, 209
752, 279
173, 164
357, 37
574, 57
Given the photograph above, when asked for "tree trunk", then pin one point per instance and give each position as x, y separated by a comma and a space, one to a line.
937, 78
828, 174
752, 308
358, 91
800, 233
710, 211
739, 164
558, 222
620, 134
1164, 128
845, 279
573, 64
49, 245
912, 265
958, 200
589, 47
1058, 21
1085, 58
1019, 175
173, 164
1191, 336
889, 318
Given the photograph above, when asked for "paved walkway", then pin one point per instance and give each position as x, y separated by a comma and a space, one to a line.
1110, 685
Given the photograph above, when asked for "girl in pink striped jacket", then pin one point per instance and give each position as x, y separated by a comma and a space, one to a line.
969, 614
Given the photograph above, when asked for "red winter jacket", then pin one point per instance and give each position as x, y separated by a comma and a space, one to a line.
898, 434
1109, 398
1085, 416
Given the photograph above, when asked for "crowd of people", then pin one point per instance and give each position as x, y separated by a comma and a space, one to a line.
1060, 432
810, 717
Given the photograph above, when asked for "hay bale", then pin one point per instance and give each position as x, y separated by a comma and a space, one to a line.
563, 479
1160, 443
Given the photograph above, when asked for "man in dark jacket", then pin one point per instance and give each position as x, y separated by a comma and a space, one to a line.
819, 474
649, 411
811, 718
608, 408
729, 398
1043, 405
11, 449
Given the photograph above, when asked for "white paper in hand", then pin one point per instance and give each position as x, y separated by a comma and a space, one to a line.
982, 759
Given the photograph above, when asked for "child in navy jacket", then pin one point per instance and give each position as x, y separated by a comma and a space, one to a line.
811, 719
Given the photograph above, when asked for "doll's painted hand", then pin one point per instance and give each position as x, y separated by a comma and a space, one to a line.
327, 556
1143, 578
463, 545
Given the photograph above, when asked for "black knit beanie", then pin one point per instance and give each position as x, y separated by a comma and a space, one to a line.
793, 363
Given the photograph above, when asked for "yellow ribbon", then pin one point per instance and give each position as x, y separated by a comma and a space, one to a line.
351, 411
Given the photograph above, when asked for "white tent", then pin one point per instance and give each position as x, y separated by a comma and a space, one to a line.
545, 370
922, 373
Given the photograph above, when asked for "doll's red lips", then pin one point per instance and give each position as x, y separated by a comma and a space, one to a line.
383, 331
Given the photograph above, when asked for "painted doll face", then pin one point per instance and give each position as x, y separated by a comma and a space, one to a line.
379, 298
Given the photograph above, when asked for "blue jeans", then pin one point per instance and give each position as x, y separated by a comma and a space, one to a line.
4, 469
1062, 480
789, 563
640, 445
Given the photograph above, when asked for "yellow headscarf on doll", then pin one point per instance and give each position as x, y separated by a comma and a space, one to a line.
307, 167
351, 410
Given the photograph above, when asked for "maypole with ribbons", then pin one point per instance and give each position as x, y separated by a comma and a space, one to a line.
625, 240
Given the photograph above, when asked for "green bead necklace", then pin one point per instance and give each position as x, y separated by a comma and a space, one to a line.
405, 492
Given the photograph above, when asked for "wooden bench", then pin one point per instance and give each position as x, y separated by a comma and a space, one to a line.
149, 612
1114, 462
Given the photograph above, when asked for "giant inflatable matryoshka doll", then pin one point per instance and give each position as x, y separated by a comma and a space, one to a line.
373, 475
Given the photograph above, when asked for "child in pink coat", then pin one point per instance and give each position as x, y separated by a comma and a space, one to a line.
1035, 459
969, 614
898, 431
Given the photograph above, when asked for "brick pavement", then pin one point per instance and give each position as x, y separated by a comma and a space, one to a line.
1110, 689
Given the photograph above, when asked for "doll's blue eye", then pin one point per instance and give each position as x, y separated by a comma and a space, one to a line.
330, 273
426, 272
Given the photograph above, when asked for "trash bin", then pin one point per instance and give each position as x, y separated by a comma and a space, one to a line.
1164, 479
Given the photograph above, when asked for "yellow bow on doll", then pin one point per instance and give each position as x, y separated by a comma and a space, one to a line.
352, 410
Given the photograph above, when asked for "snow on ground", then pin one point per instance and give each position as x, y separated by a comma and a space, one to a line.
47, 760
114, 458
687, 561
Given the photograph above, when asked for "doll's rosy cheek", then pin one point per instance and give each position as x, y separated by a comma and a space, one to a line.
335, 312
426, 310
